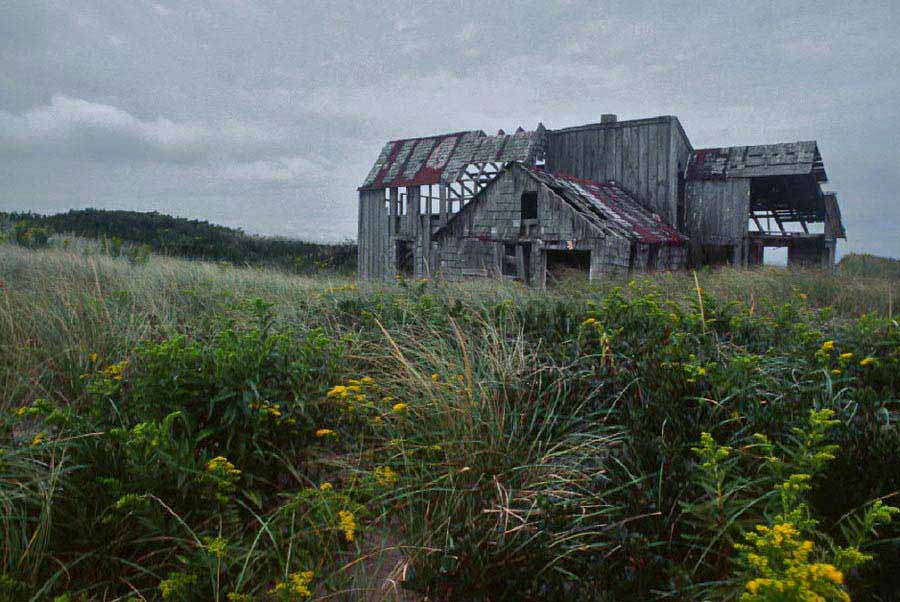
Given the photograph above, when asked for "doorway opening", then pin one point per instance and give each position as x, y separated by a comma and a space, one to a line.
563, 266
405, 264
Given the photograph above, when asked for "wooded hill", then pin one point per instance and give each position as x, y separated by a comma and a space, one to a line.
194, 239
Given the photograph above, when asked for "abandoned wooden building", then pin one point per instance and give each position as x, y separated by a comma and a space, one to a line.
614, 196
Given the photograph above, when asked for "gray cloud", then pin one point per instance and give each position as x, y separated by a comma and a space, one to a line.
268, 114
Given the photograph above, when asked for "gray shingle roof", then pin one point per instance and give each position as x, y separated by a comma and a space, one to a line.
786, 158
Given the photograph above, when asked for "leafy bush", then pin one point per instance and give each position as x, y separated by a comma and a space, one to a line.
165, 431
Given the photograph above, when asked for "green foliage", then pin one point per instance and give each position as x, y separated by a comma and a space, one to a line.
29, 235
863, 264
135, 235
165, 431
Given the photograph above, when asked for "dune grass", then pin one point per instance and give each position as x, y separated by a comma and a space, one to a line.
189, 431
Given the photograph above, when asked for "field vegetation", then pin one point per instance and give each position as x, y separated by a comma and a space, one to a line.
177, 430
135, 235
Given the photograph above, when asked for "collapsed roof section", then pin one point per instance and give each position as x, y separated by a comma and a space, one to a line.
444, 158
784, 159
609, 207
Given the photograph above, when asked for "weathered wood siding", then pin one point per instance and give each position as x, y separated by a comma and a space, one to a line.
717, 211
473, 243
372, 237
642, 155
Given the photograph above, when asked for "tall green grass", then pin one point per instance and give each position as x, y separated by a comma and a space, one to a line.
168, 431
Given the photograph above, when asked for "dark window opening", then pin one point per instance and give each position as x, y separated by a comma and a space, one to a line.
508, 265
404, 258
567, 266
529, 205
652, 257
716, 254
526, 261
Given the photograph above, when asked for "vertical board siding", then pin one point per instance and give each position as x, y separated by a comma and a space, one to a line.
373, 237
642, 156
716, 211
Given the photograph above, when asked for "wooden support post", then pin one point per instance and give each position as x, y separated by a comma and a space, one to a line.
520, 263
444, 212
395, 208
756, 221
412, 208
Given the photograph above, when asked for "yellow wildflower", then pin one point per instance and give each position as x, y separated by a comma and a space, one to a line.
38, 439
367, 380
296, 584
325, 433
867, 361
217, 546
803, 296
399, 407
828, 572
435, 377
589, 321
828, 346
337, 390
347, 524
385, 476
846, 356
22, 411
326, 486
93, 358
222, 465
836, 371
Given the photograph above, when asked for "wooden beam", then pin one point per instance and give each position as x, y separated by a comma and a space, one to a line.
395, 206
444, 212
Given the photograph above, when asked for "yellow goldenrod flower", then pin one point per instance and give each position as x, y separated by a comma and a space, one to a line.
38, 439
836, 371
846, 356
221, 464
803, 296
337, 390
217, 546
297, 584
828, 346
93, 358
367, 380
347, 524
385, 476
866, 361
589, 321
325, 433
326, 486
435, 377
399, 407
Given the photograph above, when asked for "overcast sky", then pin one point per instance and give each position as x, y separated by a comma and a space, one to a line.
266, 115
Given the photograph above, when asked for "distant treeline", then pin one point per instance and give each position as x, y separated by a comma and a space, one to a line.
863, 264
182, 237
